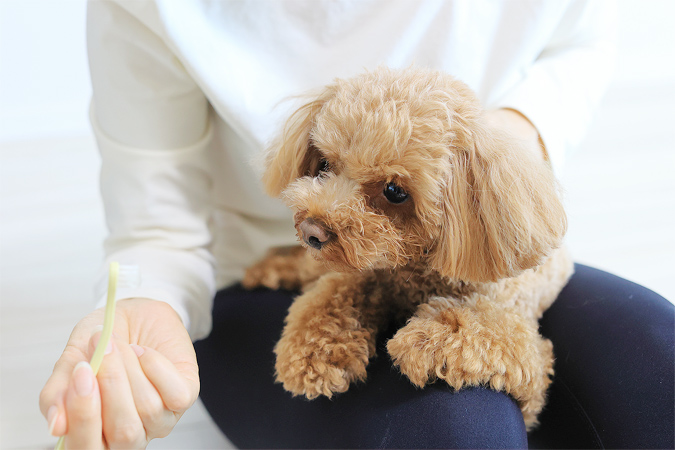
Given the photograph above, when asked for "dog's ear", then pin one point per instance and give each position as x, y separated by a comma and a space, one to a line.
502, 212
292, 155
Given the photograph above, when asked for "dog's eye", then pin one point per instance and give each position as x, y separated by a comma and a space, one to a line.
323, 166
394, 193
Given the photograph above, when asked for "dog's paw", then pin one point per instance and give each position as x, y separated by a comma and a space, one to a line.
321, 365
279, 269
417, 350
461, 349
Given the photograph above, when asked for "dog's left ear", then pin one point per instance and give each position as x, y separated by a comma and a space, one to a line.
502, 212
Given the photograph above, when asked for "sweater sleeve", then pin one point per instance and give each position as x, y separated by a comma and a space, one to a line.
559, 92
152, 126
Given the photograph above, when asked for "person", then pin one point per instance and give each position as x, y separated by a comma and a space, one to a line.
185, 97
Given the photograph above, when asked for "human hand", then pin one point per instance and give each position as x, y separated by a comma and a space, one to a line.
519, 126
147, 380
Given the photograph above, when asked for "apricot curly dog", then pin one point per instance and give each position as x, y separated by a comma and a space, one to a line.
411, 207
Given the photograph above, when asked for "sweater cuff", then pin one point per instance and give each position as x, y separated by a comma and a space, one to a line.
176, 278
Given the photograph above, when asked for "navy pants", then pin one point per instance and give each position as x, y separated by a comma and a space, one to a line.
613, 387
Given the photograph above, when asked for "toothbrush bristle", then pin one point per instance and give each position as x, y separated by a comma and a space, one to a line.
129, 276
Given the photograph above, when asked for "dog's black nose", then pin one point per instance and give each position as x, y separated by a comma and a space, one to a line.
313, 234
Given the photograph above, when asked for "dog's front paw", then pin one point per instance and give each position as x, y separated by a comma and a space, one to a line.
470, 348
279, 269
417, 350
312, 364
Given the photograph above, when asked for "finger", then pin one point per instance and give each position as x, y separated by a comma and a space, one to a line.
83, 408
122, 427
53, 394
177, 392
157, 420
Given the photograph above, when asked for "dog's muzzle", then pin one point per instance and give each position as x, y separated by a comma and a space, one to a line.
313, 233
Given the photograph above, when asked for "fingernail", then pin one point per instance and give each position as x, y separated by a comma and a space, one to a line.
52, 415
83, 379
96, 329
137, 349
108, 347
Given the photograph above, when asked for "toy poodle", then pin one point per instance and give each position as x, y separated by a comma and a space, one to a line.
410, 207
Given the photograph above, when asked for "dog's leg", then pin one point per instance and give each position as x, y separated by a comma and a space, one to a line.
329, 335
289, 268
475, 342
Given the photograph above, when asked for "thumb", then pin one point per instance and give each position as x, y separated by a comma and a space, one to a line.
83, 409
53, 394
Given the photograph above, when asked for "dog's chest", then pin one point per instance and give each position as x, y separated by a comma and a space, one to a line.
408, 289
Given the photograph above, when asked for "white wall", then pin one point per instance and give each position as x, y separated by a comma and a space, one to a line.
44, 81
646, 43
44, 86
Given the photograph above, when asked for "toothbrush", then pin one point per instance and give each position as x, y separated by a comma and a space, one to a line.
127, 276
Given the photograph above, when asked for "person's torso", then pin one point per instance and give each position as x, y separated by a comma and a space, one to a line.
254, 59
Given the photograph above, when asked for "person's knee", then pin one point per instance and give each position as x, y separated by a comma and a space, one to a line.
469, 418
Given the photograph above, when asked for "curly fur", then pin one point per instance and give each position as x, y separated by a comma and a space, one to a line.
471, 259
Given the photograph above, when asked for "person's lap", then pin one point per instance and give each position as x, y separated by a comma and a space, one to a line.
237, 376
614, 347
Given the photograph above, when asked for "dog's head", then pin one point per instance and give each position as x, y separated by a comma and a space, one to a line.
399, 167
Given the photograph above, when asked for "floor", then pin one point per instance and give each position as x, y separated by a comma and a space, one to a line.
620, 195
